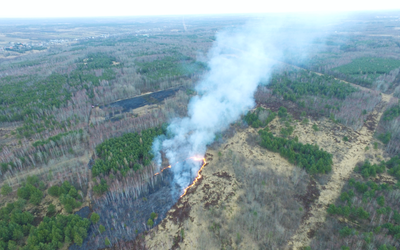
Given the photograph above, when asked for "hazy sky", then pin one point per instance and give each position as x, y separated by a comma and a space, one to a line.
91, 8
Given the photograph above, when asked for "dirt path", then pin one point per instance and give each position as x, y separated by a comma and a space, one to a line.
341, 171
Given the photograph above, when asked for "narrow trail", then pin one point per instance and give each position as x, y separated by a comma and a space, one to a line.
341, 171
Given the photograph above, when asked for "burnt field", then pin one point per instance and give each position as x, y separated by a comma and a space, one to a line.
128, 105
125, 219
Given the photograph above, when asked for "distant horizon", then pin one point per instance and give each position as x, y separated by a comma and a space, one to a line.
44, 9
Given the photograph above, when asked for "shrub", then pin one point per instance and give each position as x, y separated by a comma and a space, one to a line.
68, 208
6, 189
31, 193
42, 185
100, 188
107, 241
381, 200
54, 191
346, 231
153, 215
282, 112
95, 218
367, 169
150, 222
385, 138
102, 229
259, 118
36, 197
51, 209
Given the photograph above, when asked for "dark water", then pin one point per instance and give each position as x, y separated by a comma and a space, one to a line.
140, 101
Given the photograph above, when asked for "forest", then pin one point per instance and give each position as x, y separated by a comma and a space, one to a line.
368, 69
77, 170
20, 229
297, 84
371, 210
310, 157
130, 151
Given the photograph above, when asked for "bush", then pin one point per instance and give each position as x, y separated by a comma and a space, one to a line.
31, 193
51, 209
282, 112
381, 200
107, 241
102, 229
367, 170
347, 196
385, 138
42, 185
33, 180
150, 222
95, 218
100, 188
394, 166
259, 118
153, 215
36, 197
6, 189
54, 191
346, 231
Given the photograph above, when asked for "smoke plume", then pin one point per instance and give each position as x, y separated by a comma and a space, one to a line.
240, 59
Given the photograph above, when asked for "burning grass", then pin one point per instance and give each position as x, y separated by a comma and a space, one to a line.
240, 202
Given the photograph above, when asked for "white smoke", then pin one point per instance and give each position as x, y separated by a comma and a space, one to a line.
238, 61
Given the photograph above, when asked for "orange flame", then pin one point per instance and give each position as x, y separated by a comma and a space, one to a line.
195, 158
162, 170
198, 173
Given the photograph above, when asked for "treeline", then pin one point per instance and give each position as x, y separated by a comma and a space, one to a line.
32, 126
57, 137
170, 66
68, 196
259, 118
17, 227
130, 151
319, 96
27, 95
20, 98
32, 190
389, 132
310, 157
25, 49
369, 65
391, 113
296, 84
97, 61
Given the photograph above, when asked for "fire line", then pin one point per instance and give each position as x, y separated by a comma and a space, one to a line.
198, 174
195, 158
